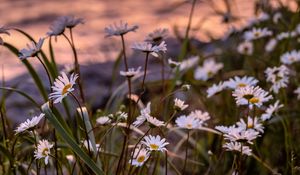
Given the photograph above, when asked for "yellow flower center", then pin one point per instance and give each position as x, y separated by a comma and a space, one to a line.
250, 125
256, 34
254, 100
242, 85
141, 159
45, 152
65, 89
189, 126
154, 146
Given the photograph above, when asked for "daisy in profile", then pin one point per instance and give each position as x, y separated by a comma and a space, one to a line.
143, 116
245, 48
188, 122
270, 110
290, 57
43, 150
157, 35
271, 44
214, 89
237, 82
257, 33
188, 63
278, 76
140, 156
32, 49
154, 122
251, 123
62, 87
172, 63
71, 21
155, 143
200, 115
150, 48
131, 72
239, 134
207, 70
250, 95
3, 30
103, 120
238, 147
29, 124
118, 29
179, 105
297, 91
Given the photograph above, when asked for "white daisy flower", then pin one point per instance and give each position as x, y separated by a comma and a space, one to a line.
62, 87
131, 72
71, 21
173, 64
188, 63
157, 35
278, 76
43, 150
188, 122
118, 29
245, 48
276, 17
143, 117
154, 121
297, 91
198, 114
270, 110
237, 146
208, 70
251, 124
263, 16
140, 156
214, 89
224, 129
179, 105
239, 134
285, 35
271, 44
257, 33
290, 57
32, 49
57, 27
29, 124
237, 82
250, 95
3, 30
148, 47
155, 143
103, 120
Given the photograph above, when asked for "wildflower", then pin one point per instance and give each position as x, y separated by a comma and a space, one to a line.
257, 33
172, 63
271, 44
270, 110
118, 29
155, 143
290, 57
285, 35
188, 122
149, 48
239, 134
157, 35
122, 115
3, 30
140, 156
277, 16
188, 63
71, 21
154, 121
245, 47
103, 120
214, 89
179, 105
278, 76
238, 147
62, 87
202, 116
131, 72
250, 95
143, 117
251, 123
208, 70
32, 49
29, 124
237, 82
57, 27
43, 150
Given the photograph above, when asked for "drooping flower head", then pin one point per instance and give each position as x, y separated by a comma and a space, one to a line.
179, 105
62, 87
278, 76
214, 89
157, 35
155, 143
207, 70
32, 49
150, 48
270, 110
60, 24
29, 124
238, 147
131, 72
118, 29
140, 156
43, 150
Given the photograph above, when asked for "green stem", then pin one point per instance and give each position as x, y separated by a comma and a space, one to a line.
186, 151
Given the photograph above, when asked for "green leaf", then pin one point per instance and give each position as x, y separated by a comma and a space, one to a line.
69, 140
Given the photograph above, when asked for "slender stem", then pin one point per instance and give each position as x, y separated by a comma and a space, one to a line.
36, 162
124, 52
186, 151
170, 119
190, 19
121, 155
264, 164
163, 75
73, 168
145, 71
48, 74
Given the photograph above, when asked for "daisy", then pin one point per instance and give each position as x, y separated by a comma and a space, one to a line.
103, 120
278, 76
188, 122
250, 95
143, 117
62, 87
237, 82
118, 29
290, 57
237, 146
208, 70
43, 150
179, 105
297, 91
157, 35
271, 44
131, 72
239, 134
198, 114
172, 63
32, 49
149, 48
270, 110
57, 27
154, 121
257, 33
214, 89
286, 35
3, 30
71, 21
276, 17
188, 63
251, 123
29, 124
245, 48
140, 156
155, 143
